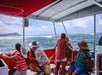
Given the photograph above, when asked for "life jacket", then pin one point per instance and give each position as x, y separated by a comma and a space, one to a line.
32, 61
31, 58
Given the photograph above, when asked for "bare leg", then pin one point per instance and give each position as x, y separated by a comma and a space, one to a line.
69, 72
74, 73
63, 67
57, 68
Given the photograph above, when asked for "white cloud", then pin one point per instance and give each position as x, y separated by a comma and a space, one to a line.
100, 22
9, 24
10, 20
81, 23
45, 28
29, 28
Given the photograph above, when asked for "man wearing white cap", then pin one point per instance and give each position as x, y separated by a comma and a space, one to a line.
37, 60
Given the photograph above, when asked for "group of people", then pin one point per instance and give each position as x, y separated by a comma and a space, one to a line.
80, 64
37, 60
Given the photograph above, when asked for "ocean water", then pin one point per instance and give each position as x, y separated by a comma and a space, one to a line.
7, 44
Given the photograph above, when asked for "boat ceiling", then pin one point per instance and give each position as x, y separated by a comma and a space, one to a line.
22, 7
50, 10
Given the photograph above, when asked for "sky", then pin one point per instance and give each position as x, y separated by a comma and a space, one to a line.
9, 24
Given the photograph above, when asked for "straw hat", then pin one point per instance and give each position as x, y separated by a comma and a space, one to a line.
34, 44
83, 45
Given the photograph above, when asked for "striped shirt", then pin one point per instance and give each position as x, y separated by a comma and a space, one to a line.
20, 63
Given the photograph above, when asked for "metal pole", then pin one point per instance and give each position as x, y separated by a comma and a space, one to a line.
96, 2
69, 39
55, 30
64, 27
94, 39
23, 24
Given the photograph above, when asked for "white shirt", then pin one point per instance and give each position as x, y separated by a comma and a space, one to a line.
41, 57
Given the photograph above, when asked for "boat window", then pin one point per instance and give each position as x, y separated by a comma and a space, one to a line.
81, 29
98, 28
41, 31
10, 32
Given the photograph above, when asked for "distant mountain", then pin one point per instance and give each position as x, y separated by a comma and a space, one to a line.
10, 34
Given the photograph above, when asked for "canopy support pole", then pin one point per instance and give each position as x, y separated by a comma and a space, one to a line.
55, 30
94, 39
64, 28
66, 32
23, 32
96, 2
68, 37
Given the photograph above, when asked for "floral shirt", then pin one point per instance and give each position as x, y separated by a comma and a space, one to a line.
41, 57
80, 60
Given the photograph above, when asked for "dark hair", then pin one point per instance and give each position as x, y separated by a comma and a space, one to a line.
100, 41
18, 46
34, 43
63, 35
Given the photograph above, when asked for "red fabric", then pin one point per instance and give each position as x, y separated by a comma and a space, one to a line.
31, 57
13, 7
50, 53
8, 61
61, 49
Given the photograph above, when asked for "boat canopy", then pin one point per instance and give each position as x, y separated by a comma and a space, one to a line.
51, 10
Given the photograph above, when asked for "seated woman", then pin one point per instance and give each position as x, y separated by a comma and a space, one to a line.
20, 62
37, 60
80, 65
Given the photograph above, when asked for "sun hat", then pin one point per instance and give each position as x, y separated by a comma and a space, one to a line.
83, 45
34, 44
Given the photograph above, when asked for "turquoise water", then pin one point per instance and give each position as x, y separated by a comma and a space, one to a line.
7, 44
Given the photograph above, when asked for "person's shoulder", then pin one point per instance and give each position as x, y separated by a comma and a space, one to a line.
58, 39
29, 49
14, 51
86, 51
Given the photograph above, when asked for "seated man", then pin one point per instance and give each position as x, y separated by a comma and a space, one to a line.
37, 60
